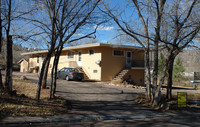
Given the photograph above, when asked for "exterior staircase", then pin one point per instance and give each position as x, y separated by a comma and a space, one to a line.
82, 71
120, 76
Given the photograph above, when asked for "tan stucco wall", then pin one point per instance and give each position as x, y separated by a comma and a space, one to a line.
33, 63
112, 65
24, 66
88, 62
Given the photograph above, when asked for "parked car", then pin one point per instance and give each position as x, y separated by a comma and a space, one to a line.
70, 74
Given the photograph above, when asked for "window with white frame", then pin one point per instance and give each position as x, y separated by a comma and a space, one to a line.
70, 55
91, 52
118, 53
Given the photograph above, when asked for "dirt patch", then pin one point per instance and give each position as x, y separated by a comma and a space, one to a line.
23, 103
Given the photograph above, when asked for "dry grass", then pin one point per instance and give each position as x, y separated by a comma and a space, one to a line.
28, 88
20, 105
172, 106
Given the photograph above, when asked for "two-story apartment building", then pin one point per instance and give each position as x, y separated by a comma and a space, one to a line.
102, 62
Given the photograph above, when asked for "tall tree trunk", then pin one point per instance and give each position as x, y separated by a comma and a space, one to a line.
9, 57
148, 74
155, 93
147, 51
54, 72
1, 83
56, 67
170, 76
44, 82
52, 78
156, 89
52, 75
8, 76
42, 72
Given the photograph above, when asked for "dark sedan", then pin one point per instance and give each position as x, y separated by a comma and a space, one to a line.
70, 74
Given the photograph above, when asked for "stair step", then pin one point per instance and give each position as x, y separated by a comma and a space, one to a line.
120, 75
85, 76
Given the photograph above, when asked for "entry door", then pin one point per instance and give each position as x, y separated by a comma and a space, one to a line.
80, 58
128, 59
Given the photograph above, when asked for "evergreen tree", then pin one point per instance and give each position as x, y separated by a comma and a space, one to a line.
178, 69
161, 63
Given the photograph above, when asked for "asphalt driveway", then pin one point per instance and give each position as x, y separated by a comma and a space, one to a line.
99, 97
96, 97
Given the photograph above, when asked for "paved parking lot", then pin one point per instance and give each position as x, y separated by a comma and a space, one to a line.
99, 98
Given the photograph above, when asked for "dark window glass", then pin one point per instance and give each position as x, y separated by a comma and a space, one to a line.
79, 56
91, 52
70, 54
118, 53
94, 71
37, 59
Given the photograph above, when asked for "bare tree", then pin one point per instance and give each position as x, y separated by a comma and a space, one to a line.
8, 76
143, 37
9, 12
63, 20
179, 28
170, 27
79, 18
1, 83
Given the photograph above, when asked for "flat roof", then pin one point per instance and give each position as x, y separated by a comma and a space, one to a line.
87, 46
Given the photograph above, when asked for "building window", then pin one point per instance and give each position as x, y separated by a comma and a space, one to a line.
95, 71
91, 52
118, 53
38, 62
38, 59
70, 55
79, 56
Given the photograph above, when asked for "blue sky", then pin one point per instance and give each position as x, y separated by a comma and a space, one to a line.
105, 32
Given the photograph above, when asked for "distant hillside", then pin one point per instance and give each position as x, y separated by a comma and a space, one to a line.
17, 50
190, 60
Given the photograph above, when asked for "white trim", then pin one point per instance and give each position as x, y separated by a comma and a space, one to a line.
22, 60
87, 46
138, 68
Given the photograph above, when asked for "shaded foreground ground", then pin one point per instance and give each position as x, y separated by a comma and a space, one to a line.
154, 122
